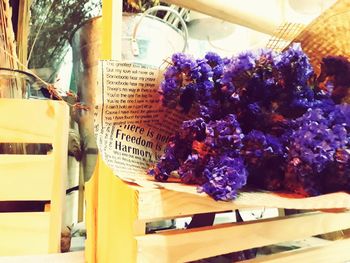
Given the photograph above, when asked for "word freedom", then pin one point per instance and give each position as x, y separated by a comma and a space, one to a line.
138, 140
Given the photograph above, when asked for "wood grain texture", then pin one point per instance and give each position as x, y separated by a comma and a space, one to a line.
111, 215
27, 121
30, 177
111, 30
91, 197
335, 252
71, 257
232, 11
114, 206
181, 200
60, 113
292, 201
251, 198
24, 233
160, 203
187, 245
26, 177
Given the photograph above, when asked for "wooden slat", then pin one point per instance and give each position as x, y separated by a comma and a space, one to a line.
60, 170
38, 121
165, 200
26, 177
70, 257
335, 252
28, 121
163, 203
155, 204
112, 29
244, 13
293, 201
111, 214
24, 233
187, 245
105, 207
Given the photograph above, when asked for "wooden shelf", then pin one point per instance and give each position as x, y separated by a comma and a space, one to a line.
117, 213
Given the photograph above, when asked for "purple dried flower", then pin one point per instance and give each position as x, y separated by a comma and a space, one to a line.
191, 171
337, 175
188, 97
238, 65
193, 130
295, 134
167, 163
184, 62
179, 148
213, 59
294, 66
174, 87
318, 136
206, 71
265, 156
217, 63
225, 177
224, 134
301, 179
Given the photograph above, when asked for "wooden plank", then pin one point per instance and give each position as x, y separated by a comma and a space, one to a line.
161, 203
70, 257
91, 197
244, 13
256, 199
30, 121
117, 212
40, 121
60, 150
110, 219
24, 233
335, 252
112, 29
293, 201
26, 177
111, 204
166, 203
188, 245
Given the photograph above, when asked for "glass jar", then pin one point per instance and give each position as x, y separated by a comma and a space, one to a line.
15, 83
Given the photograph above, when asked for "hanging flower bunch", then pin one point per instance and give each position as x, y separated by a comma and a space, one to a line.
263, 119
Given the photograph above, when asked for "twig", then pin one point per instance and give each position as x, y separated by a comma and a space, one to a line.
39, 30
54, 92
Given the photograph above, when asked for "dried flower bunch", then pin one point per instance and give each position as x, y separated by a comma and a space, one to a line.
264, 119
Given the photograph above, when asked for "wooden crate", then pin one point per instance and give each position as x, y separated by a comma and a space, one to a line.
117, 213
32, 178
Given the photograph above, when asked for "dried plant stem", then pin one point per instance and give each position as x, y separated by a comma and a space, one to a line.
39, 30
49, 86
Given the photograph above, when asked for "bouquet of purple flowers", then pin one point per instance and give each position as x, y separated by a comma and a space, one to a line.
263, 119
